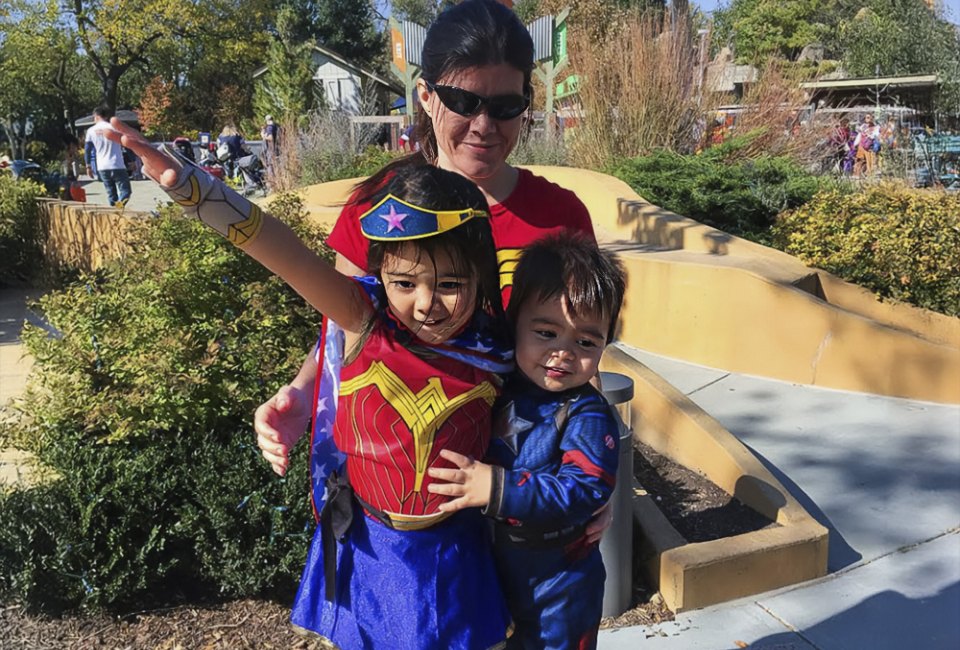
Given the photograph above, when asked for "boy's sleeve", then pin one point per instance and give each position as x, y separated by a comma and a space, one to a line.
89, 152
586, 478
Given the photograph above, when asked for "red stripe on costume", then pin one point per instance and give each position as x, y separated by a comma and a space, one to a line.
580, 459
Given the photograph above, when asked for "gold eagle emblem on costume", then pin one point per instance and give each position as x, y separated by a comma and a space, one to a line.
423, 412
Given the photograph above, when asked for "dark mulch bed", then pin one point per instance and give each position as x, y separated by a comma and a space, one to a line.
698, 509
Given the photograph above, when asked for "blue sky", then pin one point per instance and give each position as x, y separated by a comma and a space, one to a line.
953, 7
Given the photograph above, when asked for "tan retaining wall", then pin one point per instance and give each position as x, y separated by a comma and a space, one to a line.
82, 236
689, 576
701, 295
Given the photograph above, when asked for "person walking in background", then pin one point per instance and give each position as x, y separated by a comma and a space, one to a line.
105, 158
867, 145
70, 188
230, 149
270, 134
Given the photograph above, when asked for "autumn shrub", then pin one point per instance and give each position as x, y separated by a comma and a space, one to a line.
641, 88
902, 243
324, 149
20, 233
717, 188
141, 405
769, 111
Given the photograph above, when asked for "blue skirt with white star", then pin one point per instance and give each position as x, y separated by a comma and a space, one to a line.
419, 589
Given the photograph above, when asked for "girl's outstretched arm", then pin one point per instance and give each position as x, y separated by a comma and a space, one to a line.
265, 238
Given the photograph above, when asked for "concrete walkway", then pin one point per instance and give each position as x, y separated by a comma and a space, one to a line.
882, 474
144, 195
15, 365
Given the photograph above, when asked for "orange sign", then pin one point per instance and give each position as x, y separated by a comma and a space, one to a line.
398, 49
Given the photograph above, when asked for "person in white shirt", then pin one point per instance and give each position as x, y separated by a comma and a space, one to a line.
106, 156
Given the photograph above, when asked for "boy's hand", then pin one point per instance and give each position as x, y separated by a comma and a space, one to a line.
469, 485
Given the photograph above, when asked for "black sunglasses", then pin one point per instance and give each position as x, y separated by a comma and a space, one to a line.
463, 102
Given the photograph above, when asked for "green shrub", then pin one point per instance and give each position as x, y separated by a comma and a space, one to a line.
899, 242
741, 197
142, 402
20, 247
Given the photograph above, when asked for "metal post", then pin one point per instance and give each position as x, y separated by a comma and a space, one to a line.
616, 546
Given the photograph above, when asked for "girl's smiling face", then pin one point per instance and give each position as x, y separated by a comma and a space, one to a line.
556, 349
431, 297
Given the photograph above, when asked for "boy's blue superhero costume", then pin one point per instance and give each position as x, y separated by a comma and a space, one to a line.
555, 458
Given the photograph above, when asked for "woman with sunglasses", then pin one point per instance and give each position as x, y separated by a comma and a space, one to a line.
474, 89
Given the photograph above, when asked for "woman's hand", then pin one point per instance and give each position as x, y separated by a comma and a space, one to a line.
159, 166
280, 422
469, 484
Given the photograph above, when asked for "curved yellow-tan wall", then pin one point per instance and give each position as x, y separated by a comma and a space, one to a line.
701, 295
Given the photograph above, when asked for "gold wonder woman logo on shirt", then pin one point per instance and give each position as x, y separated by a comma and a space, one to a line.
507, 259
423, 412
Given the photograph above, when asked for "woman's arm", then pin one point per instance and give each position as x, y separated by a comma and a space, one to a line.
265, 238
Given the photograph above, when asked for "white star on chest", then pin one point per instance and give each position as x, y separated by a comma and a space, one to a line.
509, 426
480, 347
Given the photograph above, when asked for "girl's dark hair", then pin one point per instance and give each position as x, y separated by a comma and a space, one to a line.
592, 281
471, 34
469, 245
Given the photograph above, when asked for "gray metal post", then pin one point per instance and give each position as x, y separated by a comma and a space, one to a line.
616, 546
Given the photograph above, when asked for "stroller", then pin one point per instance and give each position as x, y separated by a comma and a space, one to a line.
184, 147
251, 172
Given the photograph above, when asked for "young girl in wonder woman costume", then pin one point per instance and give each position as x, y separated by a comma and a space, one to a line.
387, 568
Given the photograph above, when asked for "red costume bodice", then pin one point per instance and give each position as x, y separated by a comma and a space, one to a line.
396, 412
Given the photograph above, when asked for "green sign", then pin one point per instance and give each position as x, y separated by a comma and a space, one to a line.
567, 87
559, 42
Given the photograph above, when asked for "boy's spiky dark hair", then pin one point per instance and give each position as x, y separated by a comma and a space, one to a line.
570, 265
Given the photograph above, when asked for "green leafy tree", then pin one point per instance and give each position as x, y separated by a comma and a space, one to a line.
348, 28
903, 37
759, 29
421, 12
117, 36
287, 89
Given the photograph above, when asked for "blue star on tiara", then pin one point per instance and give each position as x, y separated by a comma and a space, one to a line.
394, 219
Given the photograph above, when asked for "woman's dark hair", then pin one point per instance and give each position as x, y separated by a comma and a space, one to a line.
592, 281
469, 245
471, 34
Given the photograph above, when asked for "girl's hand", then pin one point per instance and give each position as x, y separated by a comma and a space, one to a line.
469, 484
158, 165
